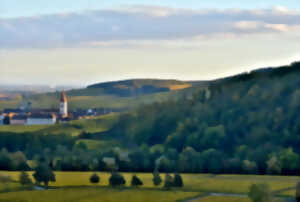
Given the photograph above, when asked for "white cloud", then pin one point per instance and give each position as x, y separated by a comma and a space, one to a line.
142, 24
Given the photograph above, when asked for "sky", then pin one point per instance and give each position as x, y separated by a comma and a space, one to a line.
81, 42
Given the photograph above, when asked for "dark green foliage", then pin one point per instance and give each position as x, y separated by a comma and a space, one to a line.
135, 181
169, 181
116, 179
260, 193
24, 179
178, 180
94, 178
156, 178
43, 174
219, 131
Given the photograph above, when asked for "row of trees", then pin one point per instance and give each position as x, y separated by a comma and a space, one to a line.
43, 174
116, 179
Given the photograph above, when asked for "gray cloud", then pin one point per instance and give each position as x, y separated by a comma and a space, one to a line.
105, 27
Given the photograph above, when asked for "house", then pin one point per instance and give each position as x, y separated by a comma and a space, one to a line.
1, 119
18, 120
41, 119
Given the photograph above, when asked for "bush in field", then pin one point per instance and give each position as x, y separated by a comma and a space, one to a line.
169, 181
24, 179
5, 178
43, 174
116, 179
94, 178
298, 192
156, 178
260, 193
177, 180
135, 181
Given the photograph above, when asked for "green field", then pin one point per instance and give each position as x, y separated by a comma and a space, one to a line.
74, 128
239, 184
75, 186
91, 100
96, 194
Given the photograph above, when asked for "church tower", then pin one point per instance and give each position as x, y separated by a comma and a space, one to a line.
63, 107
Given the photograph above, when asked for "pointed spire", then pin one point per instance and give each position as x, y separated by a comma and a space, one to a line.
63, 97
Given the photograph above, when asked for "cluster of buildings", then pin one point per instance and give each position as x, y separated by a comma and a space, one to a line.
28, 116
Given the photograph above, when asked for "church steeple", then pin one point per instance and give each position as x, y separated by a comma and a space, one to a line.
63, 108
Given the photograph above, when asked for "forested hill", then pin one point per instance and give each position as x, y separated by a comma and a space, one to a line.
246, 123
135, 87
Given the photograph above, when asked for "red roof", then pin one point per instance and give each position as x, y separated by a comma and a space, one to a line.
63, 97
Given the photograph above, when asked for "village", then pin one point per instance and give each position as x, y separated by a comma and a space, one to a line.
25, 115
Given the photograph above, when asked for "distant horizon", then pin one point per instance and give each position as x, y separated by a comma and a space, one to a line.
125, 79
90, 41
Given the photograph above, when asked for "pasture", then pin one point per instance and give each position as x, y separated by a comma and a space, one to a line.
99, 124
194, 185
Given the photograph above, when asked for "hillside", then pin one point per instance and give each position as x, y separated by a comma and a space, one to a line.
116, 95
248, 123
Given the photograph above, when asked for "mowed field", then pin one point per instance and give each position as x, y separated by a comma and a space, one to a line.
194, 185
96, 195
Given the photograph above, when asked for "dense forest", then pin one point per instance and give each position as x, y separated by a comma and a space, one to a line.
248, 123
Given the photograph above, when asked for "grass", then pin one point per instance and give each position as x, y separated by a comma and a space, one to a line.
192, 182
96, 194
74, 128
222, 199
85, 99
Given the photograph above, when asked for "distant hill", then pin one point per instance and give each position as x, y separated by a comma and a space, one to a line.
136, 87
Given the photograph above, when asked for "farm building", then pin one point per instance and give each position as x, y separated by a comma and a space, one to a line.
41, 119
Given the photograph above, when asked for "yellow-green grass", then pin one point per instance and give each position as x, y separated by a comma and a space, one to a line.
99, 124
192, 182
9, 186
22, 128
96, 195
222, 199
99, 144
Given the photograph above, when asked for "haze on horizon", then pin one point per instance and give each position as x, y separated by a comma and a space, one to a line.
84, 42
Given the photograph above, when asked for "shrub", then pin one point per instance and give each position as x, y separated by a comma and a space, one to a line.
260, 193
135, 181
25, 179
94, 178
116, 179
177, 180
156, 178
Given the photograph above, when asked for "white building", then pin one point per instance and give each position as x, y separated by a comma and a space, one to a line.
1, 119
63, 107
41, 119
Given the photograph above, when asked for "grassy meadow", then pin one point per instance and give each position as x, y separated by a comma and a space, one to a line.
96, 194
99, 124
194, 184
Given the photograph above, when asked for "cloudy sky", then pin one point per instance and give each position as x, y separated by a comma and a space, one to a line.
87, 41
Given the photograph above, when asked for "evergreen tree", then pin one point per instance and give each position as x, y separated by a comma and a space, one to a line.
178, 180
169, 181
156, 178
135, 181
116, 179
